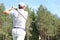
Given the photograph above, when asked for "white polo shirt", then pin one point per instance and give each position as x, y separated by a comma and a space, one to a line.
18, 20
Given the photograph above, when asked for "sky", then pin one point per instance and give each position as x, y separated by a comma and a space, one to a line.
52, 5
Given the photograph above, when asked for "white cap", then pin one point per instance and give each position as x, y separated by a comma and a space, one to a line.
22, 4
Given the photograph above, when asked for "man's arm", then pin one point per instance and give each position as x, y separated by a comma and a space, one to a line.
7, 11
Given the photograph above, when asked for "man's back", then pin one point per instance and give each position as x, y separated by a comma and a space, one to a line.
18, 20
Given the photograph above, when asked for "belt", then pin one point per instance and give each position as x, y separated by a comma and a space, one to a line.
20, 28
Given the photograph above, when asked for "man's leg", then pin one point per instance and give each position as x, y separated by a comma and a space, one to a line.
14, 34
20, 37
21, 34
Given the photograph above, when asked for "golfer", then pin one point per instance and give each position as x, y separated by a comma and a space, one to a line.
19, 20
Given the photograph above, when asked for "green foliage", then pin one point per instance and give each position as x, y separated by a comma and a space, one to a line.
46, 22
58, 30
32, 33
5, 25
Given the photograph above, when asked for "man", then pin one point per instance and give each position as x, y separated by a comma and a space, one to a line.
19, 19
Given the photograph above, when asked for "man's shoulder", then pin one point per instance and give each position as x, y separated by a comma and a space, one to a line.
26, 12
13, 11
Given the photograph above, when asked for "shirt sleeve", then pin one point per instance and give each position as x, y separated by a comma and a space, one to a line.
11, 13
